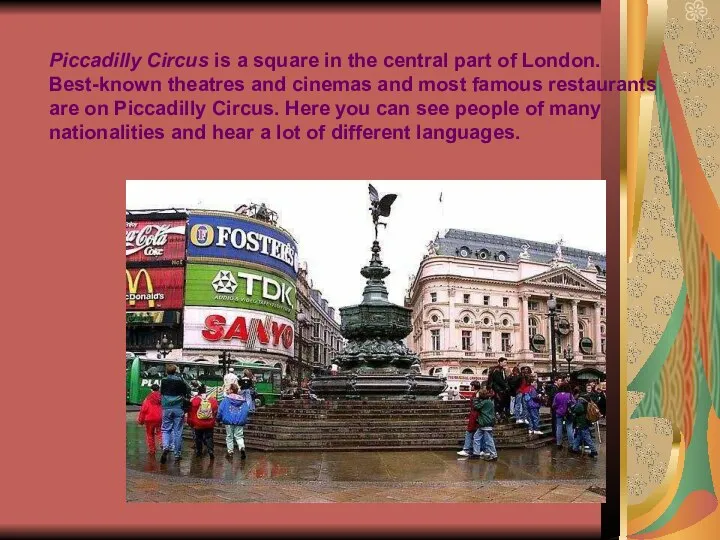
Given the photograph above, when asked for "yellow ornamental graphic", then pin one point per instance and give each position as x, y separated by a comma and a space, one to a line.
132, 295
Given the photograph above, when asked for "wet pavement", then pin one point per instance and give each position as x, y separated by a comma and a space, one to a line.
520, 475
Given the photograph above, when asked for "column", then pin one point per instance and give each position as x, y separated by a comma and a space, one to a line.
524, 330
598, 349
575, 328
452, 338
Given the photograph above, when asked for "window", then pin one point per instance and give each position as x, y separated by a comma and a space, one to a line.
434, 318
435, 337
486, 300
316, 354
581, 329
486, 321
602, 329
532, 326
466, 319
581, 310
466, 298
433, 297
602, 311
486, 341
505, 302
505, 322
316, 330
467, 371
505, 341
602, 345
532, 305
466, 340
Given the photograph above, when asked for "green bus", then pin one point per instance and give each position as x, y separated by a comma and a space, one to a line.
141, 373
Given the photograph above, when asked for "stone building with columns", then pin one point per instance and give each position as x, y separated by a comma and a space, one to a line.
476, 297
317, 333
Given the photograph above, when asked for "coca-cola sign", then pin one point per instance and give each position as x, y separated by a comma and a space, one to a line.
154, 240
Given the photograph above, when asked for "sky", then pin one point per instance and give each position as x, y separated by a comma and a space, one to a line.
333, 227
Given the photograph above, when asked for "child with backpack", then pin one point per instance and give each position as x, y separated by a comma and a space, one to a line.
532, 402
585, 414
483, 442
201, 417
233, 412
151, 416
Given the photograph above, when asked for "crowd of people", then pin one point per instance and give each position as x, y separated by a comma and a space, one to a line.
518, 396
173, 402
504, 397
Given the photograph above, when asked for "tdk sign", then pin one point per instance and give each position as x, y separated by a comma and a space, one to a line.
232, 238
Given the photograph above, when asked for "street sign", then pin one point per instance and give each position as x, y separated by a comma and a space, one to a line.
586, 345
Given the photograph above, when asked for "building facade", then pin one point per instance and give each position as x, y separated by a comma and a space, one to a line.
318, 338
477, 297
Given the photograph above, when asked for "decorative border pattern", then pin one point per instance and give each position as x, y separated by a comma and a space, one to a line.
676, 373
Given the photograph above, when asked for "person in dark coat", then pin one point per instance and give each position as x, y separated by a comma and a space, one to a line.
514, 381
500, 387
174, 392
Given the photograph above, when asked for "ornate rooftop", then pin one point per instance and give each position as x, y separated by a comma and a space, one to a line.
484, 246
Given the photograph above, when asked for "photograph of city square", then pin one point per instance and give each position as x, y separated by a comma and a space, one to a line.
365, 341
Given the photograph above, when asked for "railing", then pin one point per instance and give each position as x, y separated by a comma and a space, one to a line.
469, 353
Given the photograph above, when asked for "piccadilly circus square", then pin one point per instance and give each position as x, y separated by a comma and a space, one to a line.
366, 341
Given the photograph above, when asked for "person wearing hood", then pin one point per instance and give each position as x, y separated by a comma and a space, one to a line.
151, 416
233, 412
201, 418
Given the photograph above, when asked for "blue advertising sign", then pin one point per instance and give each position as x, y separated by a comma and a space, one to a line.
240, 239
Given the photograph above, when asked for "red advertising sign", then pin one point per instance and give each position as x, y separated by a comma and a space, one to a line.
154, 288
155, 240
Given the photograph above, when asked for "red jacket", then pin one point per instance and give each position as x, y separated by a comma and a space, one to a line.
473, 416
194, 421
151, 410
524, 386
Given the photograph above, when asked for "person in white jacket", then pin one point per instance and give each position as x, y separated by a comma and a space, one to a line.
230, 378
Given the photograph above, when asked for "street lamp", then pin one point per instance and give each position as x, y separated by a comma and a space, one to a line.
164, 347
569, 355
302, 320
552, 307
225, 362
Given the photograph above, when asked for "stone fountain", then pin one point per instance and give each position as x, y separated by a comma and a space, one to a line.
375, 363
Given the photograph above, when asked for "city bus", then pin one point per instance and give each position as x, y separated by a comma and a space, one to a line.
142, 373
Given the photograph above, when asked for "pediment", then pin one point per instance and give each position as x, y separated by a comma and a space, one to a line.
564, 278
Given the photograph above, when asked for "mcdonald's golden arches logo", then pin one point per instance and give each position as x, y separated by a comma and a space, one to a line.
132, 295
